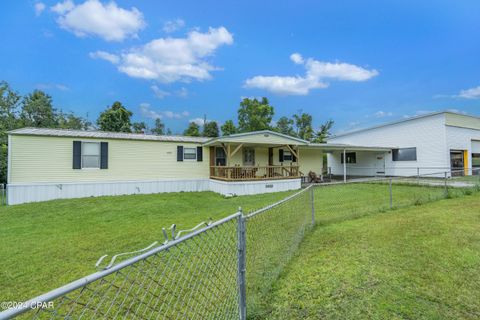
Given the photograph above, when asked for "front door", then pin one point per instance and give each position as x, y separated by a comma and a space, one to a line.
249, 157
380, 165
456, 162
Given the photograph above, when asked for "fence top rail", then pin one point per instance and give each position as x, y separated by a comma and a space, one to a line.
254, 213
74, 285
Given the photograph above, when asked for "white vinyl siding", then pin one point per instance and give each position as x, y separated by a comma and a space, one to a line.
427, 134
37, 159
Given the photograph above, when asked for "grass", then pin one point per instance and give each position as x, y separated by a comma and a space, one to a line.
45, 245
420, 262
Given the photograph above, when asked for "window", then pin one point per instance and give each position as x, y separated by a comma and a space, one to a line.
190, 153
287, 156
248, 157
404, 154
476, 164
351, 157
220, 158
90, 155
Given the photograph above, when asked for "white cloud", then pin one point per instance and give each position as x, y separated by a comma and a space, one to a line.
183, 92
159, 93
146, 111
316, 72
93, 18
199, 121
56, 86
173, 25
39, 8
382, 114
175, 59
63, 7
296, 58
472, 93
105, 56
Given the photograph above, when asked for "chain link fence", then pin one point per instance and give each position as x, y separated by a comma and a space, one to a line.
341, 201
273, 235
192, 277
227, 269
200, 275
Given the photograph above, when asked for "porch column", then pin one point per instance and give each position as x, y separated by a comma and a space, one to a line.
229, 174
345, 165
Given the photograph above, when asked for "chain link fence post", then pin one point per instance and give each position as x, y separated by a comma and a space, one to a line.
312, 201
446, 187
242, 292
391, 194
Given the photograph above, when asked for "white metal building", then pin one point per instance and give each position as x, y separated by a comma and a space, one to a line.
427, 144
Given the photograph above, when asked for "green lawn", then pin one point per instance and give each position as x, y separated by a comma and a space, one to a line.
45, 245
421, 262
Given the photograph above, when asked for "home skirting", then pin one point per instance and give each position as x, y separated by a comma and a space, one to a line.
36, 192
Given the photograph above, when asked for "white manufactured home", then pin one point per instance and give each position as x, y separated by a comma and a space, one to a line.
428, 144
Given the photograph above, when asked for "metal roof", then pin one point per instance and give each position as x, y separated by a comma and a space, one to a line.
200, 140
244, 134
349, 147
104, 135
397, 122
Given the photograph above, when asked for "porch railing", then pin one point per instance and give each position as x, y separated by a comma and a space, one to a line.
239, 173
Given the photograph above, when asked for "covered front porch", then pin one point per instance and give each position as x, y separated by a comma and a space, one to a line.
256, 157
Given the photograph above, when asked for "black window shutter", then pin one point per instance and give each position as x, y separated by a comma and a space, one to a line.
199, 153
103, 155
280, 155
77, 155
294, 159
179, 153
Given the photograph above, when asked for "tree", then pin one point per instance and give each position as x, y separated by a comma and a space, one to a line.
285, 126
3, 162
115, 119
169, 132
254, 115
9, 102
193, 130
210, 129
139, 127
228, 128
37, 110
303, 123
324, 132
71, 121
159, 128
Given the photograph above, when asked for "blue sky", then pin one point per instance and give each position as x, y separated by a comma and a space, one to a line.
356, 62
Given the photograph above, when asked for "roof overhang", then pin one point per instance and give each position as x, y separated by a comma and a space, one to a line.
265, 137
47, 132
330, 147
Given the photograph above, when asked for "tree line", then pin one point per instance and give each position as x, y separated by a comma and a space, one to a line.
36, 109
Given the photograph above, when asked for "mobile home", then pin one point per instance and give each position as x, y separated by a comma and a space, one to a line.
45, 164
